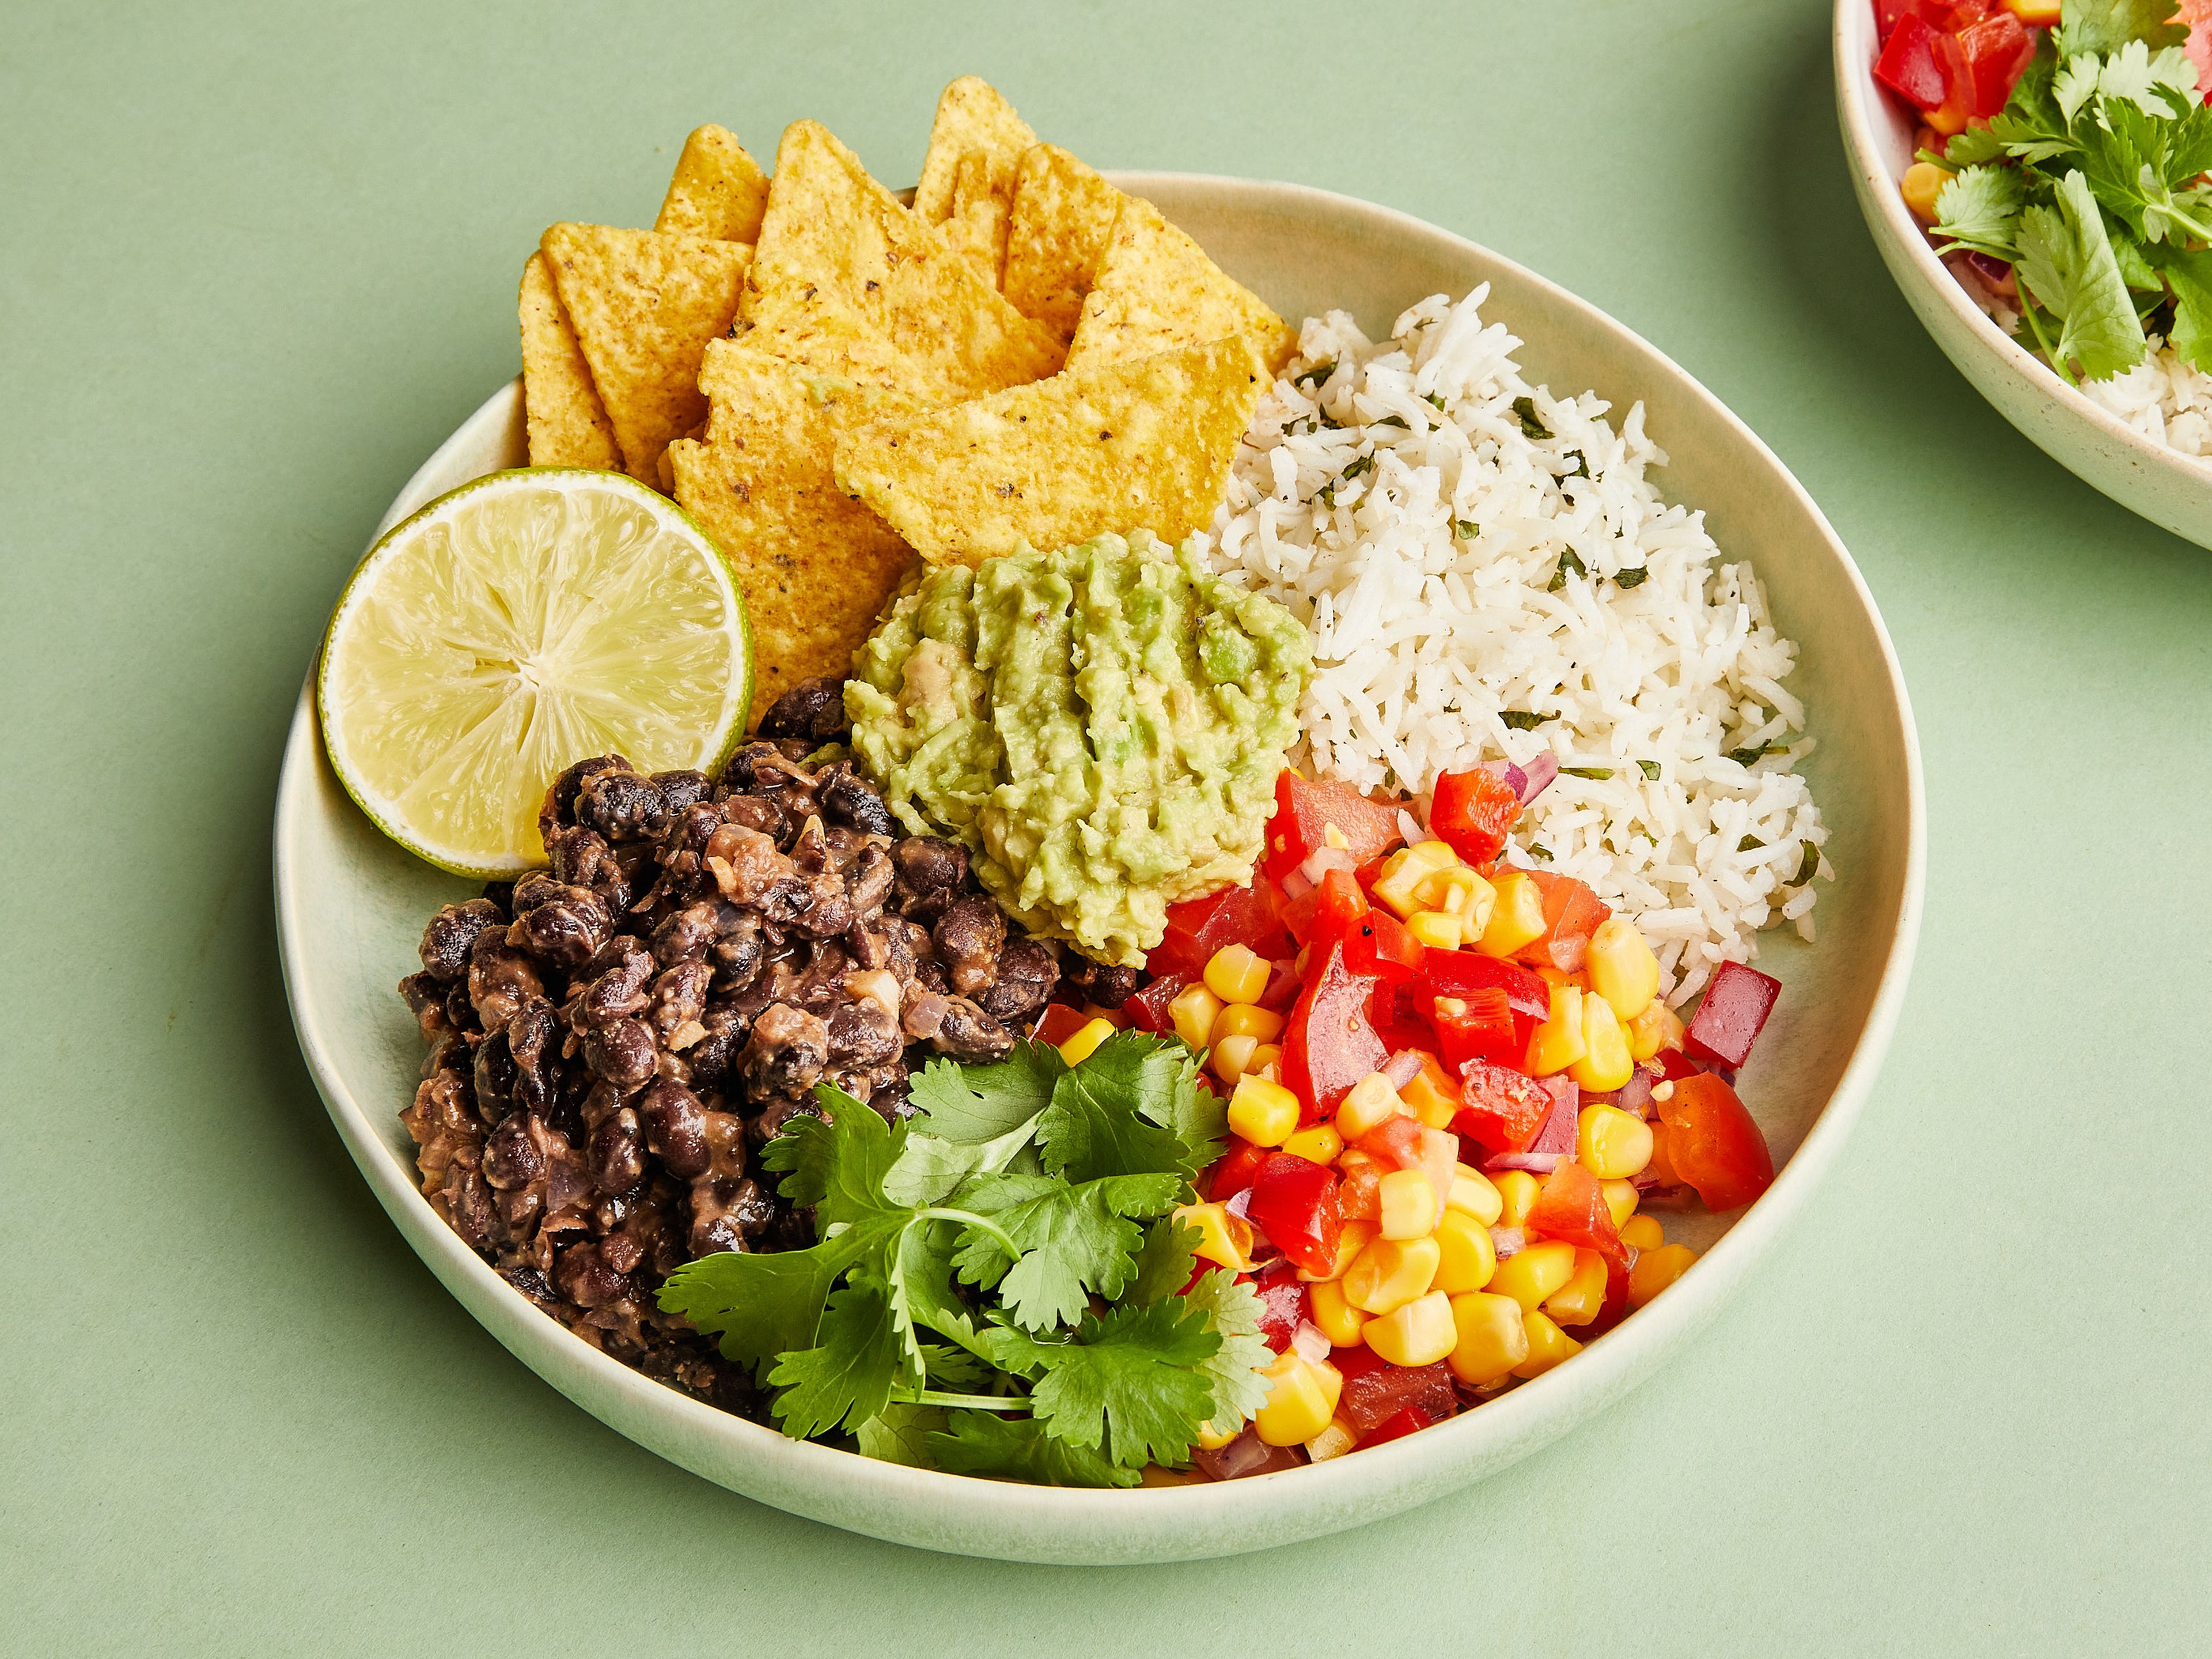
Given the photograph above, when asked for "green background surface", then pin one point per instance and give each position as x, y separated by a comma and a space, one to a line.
252, 271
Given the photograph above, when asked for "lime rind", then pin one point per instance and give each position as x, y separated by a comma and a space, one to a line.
514, 625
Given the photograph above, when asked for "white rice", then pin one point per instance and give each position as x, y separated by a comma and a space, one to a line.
1423, 636
2165, 397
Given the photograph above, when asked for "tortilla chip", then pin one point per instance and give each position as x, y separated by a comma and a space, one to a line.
1063, 217
718, 190
1130, 445
567, 425
1155, 289
806, 326
816, 567
644, 304
977, 226
971, 115
832, 229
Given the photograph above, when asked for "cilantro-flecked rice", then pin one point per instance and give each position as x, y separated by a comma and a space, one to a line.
1488, 573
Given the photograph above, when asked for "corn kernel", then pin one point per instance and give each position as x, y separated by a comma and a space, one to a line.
1621, 966
1658, 1027
1390, 1272
1356, 1236
1532, 1275
1194, 1012
1465, 1257
1491, 1338
1437, 929
1547, 1345
1466, 895
1474, 1193
1334, 1441
1620, 1198
1606, 1064
1237, 973
1578, 1301
1213, 1436
1923, 182
1222, 1239
1654, 1270
1404, 872
1409, 1205
1266, 1114
1369, 1103
1113, 1017
1318, 1145
1340, 1321
1085, 1043
1611, 1143
1432, 1095
1560, 1041
1242, 1019
1232, 1057
1516, 1196
1641, 1232
1266, 1062
1516, 915
1301, 1400
2036, 13
1419, 1333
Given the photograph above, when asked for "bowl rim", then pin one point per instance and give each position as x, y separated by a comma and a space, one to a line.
1852, 38
1347, 1489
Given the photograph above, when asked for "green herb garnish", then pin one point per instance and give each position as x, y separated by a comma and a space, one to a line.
1538, 851
1523, 720
1744, 757
1650, 769
1315, 376
1465, 528
1749, 844
1807, 867
1568, 561
1525, 408
1595, 773
1634, 575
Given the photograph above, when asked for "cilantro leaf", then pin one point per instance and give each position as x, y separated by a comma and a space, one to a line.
1130, 1381
1524, 410
1018, 1449
2031, 127
847, 1377
1164, 1265
2067, 264
2108, 25
899, 1433
2143, 167
760, 1305
2190, 276
1132, 1107
1979, 208
972, 1104
837, 1163
1233, 1372
1076, 1241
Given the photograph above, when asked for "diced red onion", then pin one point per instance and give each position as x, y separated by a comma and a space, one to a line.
1635, 1096
1411, 827
1403, 1067
1240, 1205
1311, 1341
1323, 859
1282, 985
1295, 885
1510, 775
1534, 1162
1537, 776
1646, 1179
1507, 1241
1242, 1455
1558, 1134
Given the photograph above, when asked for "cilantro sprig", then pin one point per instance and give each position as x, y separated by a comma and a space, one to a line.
998, 1286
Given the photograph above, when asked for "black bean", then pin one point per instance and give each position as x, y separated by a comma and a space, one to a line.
616, 1155
813, 710
845, 799
681, 790
453, 935
623, 1055
1027, 972
622, 806
675, 1129
512, 1156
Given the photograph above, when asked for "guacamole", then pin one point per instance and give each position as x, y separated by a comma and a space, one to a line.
1101, 726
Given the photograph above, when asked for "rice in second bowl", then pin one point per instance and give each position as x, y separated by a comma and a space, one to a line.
1488, 573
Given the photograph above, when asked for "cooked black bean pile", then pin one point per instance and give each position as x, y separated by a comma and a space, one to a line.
611, 1039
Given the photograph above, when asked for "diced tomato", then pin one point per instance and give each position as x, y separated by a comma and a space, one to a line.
1359, 1189
1397, 1426
1887, 13
1283, 1305
1457, 973
1480, 1025
1374, 1391
1282, 985
1571, 914
1380, 945
1304, 811
1329, 1043
1734, 1012
1997, 50
1329, 912
1503, 1110
1572, 1208
1237, 1169
1236, 915
1148, 1009
1294, 1202
1058, 1023
1674, 1063
1473, 812
1395, 1014
1909, 65
1714, 1143
1395, 1142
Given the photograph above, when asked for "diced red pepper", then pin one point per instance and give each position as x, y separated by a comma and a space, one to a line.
1909, 65
1282, 985
1397, 1426
1374, 1391
1571, 914
1294, 1202
1503, 1110
1395, 1013
1997, 49
1381, 946
1674, 1063
1572, 1208
1734, 1012
1283, 1305
1329, 912
1329, 1043
1459, 973
1714, 1143
1058, 1023
1148, 1009
1236, 915
1237, 1169
1304, 809
1887, 13
1473, 812
1480, 1025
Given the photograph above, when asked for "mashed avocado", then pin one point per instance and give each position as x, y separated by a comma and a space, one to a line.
1101, 726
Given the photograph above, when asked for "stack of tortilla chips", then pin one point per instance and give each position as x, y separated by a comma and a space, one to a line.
834, 384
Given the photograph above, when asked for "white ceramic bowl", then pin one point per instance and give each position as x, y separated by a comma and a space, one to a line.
2167, 488
350, 907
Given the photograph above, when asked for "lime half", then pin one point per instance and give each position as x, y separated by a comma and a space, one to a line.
525, 622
